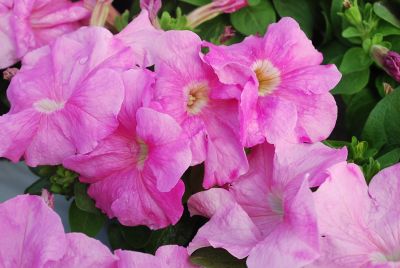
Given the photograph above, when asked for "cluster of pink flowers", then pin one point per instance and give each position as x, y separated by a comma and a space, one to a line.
87, 100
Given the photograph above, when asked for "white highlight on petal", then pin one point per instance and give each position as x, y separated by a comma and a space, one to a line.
268, 76
197, 97
48, 106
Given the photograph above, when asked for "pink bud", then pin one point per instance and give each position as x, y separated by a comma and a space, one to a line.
391, 63
228, 33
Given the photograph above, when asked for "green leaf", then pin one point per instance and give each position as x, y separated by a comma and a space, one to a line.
85, 222
253, 2
382, 126
303, 11
355, 59
386, 29
212, 29
37, 187
83, 200
389, 158
336, 19
136, 237
254, 19
350, 32
358, 109
122, 21
216, 258
196, 2
384, 13
352, 82
395, 41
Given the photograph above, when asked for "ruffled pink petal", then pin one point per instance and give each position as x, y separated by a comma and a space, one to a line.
207, 203
230, 228
232, 63
32, 233
310, 161
343, 205
86, 252
384, 190
139, 92
7, 52
140, 35
119, 193
253, 190
16, 133
276, 119
94, 108
226, 159
132, 259
316, 79
169, 152
111, 155
288, 48
196, 130
50, 145
174, 257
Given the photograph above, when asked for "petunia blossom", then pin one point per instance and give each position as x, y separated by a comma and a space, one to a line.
134, 173
359, 224
268, 214
27, 25
166, 257
64, 103
184, 89
32, 235
282, 87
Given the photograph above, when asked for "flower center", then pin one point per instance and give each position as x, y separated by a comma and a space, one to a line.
197, 97
142, 153
48, 106
268, 77
275, 202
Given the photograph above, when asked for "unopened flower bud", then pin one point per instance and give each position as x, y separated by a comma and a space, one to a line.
353, 14
346, 4
388, 60
213, 9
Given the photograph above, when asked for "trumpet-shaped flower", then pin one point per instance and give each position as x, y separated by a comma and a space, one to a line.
282, 87
32, 235
27, 25
135, 172
184, 89
64, 103
166, 257
268, 214
359, 225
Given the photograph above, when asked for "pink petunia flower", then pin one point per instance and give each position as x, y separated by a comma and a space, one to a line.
64, 103
32, 235
359, 224
268, 214
282, 88
184, 89
135, 172
26, 25
166, 257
